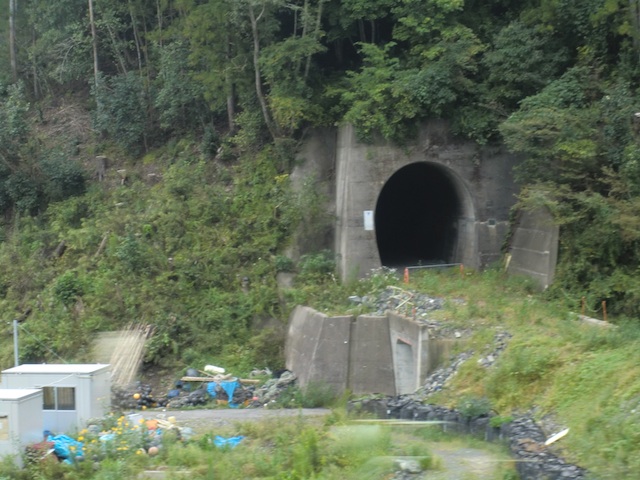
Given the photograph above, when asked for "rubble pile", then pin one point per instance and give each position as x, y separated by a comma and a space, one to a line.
412, 304
437, 380
133, 396
500, 342
272, 389
189, 399
218, 389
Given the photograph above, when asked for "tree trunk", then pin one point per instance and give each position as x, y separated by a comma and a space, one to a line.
315, 36
305, 23
256, 68
231, 101
363, 34
634, 13
94, 41
136, 37
159, 15
34, 68
12, 39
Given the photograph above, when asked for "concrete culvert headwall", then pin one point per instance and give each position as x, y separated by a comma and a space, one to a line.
417, 216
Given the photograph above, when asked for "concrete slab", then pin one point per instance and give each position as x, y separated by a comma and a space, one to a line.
317, 348
371, 358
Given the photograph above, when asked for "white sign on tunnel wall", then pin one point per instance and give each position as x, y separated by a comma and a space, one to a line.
368, 219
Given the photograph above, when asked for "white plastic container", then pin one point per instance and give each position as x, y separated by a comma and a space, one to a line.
213, 369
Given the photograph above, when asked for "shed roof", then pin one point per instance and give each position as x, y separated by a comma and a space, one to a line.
18, 393
58, 368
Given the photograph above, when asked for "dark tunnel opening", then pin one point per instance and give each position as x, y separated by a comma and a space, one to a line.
416, 217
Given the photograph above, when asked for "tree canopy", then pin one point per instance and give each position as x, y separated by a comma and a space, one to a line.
554, 80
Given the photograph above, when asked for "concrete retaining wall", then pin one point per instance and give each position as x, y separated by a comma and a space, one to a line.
365, 354
318, 346
534, 247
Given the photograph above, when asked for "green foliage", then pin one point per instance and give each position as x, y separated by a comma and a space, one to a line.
314, 395
130, 254
64, 177
523, 60
472, 407
378, 97
284, 264
317, 265
499, 420
179, 99
68, 288
121, 107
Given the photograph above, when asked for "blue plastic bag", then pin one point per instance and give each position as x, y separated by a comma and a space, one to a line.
231, 442
211, 389
66, 448
229, 387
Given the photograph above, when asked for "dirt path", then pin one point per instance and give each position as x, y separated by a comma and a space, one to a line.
467, 463
204, 420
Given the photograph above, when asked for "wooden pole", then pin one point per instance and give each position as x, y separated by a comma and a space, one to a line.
604, 310
94, 41
406, 275
582, 307
12, 39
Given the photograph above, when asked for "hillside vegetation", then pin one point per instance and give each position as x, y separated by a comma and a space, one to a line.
199, 106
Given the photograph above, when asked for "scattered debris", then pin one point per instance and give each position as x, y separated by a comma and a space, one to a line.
193, 391
556, 437
412, 304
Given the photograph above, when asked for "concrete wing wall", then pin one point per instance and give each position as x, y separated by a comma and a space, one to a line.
371, 359
534, 247
317, 348
410, 347
369, 354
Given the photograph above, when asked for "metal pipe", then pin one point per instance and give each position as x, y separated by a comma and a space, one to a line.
16, 356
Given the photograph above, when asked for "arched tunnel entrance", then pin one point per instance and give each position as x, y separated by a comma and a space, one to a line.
417, 216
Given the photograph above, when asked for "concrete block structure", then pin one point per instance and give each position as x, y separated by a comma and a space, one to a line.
71, 394
387, 354
20, 421
314, 335
534, 247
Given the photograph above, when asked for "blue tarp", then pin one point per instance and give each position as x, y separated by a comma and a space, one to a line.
229, 386
66, 448
211, 389
231, 442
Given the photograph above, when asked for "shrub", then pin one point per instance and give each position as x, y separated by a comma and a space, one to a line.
68, 288
63, 178
315, 265
472, 407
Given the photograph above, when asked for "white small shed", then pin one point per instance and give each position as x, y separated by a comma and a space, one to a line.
20, 420
71, 393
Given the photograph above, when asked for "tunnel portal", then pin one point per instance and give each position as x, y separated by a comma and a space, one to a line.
416, 217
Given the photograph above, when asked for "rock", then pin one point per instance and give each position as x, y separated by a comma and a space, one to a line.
408, 466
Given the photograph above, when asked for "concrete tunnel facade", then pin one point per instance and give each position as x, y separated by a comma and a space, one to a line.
439, 200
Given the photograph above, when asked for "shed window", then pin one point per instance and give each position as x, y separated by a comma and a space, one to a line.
59, 398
